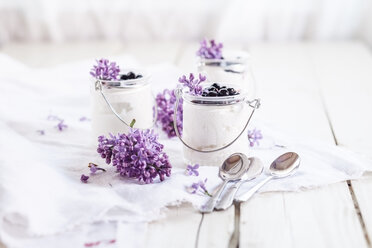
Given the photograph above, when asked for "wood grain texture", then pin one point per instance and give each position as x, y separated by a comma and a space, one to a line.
345, 77
323, 217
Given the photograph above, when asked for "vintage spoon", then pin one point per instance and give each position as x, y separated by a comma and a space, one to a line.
232, 169
284, 166
255, 169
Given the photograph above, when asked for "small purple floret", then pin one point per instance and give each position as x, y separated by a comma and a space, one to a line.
84, 178
61, 126
165, 103
214, 51
105, 70
41, 132
253, 137
199, 187
137, 154
192, 170
84, 118
193, 83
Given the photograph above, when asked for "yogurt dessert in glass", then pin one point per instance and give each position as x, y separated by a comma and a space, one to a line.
229, 66
130, 97
214, 123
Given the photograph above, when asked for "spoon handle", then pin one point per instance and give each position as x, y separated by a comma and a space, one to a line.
209, 206
228, 199
247, 195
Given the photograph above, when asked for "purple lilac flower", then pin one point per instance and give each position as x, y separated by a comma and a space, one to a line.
84, 118
193, 83
84, 178
94, 168
136, 155
41, 132
192, 170
165, 103
199, 187
253, 137
214, 51
61, 126
105, 70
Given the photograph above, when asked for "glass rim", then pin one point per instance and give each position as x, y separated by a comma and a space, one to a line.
129, 83
235, 56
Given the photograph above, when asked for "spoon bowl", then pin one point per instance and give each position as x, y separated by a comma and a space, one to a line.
232, 169
285, 165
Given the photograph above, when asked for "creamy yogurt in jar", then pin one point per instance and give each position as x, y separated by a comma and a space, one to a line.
233, 68
130, 99
211, 123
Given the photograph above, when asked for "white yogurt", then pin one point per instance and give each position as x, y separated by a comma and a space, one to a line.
132, 100
209, 127
234, 68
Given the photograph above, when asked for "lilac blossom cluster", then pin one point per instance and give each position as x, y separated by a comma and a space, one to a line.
194, 84
214, 51
165, 105
137, 154
105, 70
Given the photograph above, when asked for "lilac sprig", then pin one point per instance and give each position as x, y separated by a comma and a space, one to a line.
199, 187
137, 154
253, 137
105, 70
165, 105
214, 51
193, 83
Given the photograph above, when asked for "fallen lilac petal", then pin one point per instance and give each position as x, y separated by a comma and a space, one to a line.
84, 178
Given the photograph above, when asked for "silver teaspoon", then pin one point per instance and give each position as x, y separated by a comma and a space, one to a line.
232, 169
255, 169
284, 166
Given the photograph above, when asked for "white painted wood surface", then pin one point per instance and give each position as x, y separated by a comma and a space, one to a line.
323, 217
299, 75
345, 76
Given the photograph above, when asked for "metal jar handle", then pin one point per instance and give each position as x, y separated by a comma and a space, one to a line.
98, 86
255, 104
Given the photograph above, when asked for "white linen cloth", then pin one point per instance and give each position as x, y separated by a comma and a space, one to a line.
40, 190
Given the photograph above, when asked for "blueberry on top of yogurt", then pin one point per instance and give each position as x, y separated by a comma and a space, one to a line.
130, 75
217, 90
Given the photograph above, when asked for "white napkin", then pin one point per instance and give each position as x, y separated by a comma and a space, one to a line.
40, 189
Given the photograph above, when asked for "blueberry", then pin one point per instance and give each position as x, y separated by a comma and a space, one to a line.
205, 93
223, 92
123, 77
209, 89
216, 85
223, 87
231, 91
139, 76
131, 75
212, 93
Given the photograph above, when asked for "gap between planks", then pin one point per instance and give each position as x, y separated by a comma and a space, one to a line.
348, 182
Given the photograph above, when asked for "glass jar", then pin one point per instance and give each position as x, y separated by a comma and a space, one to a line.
233, 68
213, 126
117, 103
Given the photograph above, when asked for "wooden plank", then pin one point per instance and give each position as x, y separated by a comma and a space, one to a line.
178, 229
323, 217
345, 76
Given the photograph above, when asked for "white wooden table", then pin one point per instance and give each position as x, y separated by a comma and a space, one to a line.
320, 90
